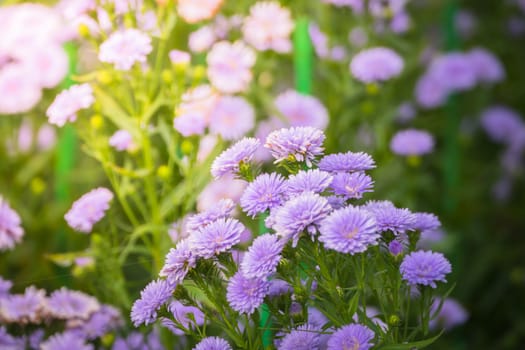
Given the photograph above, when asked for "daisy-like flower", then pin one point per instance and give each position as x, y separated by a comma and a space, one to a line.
412, 142
89, 209
229, 66
347, 162
425, 268
65, 341
430, 91
70, 304
124, 48
352, 336
228, 162
262, 257
454, 71
99, 323
29, 307
487, 66
390, 218
304, 212
198, 103
305, 337
349, 230
217, 237
222, 209
314, 180
11, 231
268, 27
351, 185
193, 11
451, 315
246, 294
202, 39
66, 105
213, 343
501, 123
122, 140
301, 144
178, 262
267, 191
426, 222
302, 110
232, 118
376, 64
152, 297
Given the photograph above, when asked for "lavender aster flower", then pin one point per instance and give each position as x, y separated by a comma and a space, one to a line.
66, 105
124, 48
246, 294
10, 230
390, 218
100, 323
222, 209
89, 209
213, 343
346, 162
301, 144
122, 140
351, 185
232, 118
301, 213
262, 257
352, 336
349, 230
267, 191
302, 110
426, 222
152, 297
501, 123
70, 304
305, 337
314, 180
452, 314
425, 268
178, 262
187, 316
228, 162
279, 287
395, 247
5, 286
412, 142
9, 342
65, 341
376, 64
217, 237
29, 307
454, 71
486, 66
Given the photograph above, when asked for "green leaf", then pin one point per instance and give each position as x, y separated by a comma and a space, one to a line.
413, 345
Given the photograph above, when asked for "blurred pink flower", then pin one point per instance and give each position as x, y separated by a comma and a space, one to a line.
225, 187
124, 48
192, 115
179, 57
268, 27
46, 137
66, 105
193, 11
122, 140
19, 90
232, 118
206, 146
202, 39
229, 66
302, 110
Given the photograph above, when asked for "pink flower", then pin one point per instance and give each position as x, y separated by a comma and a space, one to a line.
206, 146
66, 105
302, 110
179, 57
190, 124
19, 90
193, 113
122, 141
232, 118
202, 39
229, 66
268, 27
46, 137
124, 48
89, 209
225, 187
11, 231
193, 11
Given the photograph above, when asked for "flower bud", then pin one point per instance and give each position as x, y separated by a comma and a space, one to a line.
96, 121
163, 172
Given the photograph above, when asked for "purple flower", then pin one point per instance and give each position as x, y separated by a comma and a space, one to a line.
9, 342
124, 48
346, 162
246, 294
5, 286
70, 304
314, 180
405, 112
213, 343
425, 268
351, 185
487, 67
430, 91
65, 341
262, 257
152, 297
426, 222
349, 230
66, 105
376, 64
305, 337
395, 247
217, 237
178, 57
352, 336
222, 209
178, 262
228, 161
232, 118
279, 287
452, 314
89, 209
302, 110
454, 71
301, 144
390, 218
501, 123
187, 316
190, 124
122, 141
267, 191
412, 142
100, 323
10, 230
301, 213
29, 307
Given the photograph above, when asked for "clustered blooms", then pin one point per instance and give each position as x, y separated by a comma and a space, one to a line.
83, 318
309, 207
89, 209
11, 231
124, 48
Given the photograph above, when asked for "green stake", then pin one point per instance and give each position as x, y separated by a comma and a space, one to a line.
303, 57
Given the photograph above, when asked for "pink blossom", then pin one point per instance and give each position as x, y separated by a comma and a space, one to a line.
19, 91
198, 103
302, 110
225, 187
206, 146
190, 124
202, 39
179, 57
193, 11
124, 48
229, 66
46, 137
11, 231
66, 105
122, 140
232, 118
268, 27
